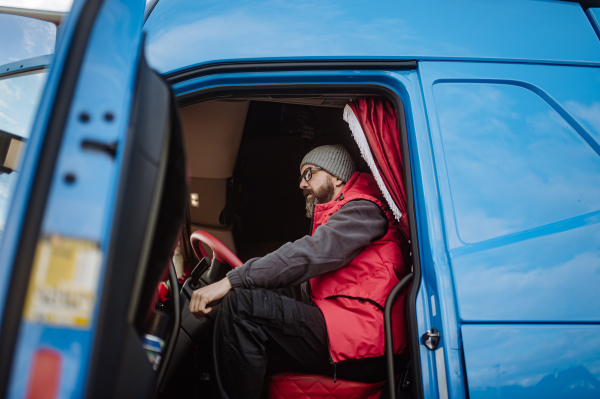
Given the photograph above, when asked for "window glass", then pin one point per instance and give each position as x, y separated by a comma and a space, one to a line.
19, 98
22, 38
22, 41
513, 162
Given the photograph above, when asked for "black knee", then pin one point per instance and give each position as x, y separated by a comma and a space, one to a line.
228, 306
237, 302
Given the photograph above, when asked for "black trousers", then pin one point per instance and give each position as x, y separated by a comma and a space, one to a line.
259, 332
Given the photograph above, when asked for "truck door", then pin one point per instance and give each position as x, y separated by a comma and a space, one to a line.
84, 243
517, 159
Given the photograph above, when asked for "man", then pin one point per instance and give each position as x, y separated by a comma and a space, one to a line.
346, 268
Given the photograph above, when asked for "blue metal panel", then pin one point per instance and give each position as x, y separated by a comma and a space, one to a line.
436, 274
527, 228
594, 16
523, 362
183, 33
549, 277
436, 300
513, 162
84, 209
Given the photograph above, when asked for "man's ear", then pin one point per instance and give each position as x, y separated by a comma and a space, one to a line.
338, 183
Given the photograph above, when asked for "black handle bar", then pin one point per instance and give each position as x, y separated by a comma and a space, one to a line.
389, 341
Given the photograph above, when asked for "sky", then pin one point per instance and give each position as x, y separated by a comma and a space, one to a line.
52, 5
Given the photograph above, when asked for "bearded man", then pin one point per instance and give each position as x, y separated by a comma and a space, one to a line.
315, 305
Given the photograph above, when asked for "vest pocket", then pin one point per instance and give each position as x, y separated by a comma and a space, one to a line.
359, 299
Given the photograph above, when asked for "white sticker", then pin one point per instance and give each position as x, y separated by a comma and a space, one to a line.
433, 305
64, 282
440, 365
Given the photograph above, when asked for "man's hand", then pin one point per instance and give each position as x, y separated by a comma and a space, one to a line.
204, 298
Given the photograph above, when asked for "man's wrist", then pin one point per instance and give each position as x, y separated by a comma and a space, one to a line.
226, 283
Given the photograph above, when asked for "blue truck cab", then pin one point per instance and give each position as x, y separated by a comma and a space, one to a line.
498, 104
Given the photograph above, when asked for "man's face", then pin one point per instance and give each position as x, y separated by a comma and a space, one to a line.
318, 190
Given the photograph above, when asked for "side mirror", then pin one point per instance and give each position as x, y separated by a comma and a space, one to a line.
11, 149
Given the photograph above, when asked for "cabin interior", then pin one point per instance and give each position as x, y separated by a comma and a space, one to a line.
244, 156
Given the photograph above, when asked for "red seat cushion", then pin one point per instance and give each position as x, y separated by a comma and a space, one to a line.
310, 386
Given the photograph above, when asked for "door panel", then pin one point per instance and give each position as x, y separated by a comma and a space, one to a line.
60, 235
149, 213
516, 165
26, 47
517, 151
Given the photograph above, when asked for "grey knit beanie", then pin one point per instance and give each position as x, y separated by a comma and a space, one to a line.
334, 159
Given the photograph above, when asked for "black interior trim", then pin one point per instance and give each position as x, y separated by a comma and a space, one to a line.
349, 88
585, 4
218, 92
389, 338
139, 249
170, 346
23, 71
262, 66
13, 136
40, 187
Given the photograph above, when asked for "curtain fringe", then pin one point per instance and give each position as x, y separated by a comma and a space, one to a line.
365, 151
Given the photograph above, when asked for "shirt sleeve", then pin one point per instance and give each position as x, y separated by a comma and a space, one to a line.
332, 246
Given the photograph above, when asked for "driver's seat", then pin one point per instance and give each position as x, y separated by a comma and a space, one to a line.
311, 386
305, 386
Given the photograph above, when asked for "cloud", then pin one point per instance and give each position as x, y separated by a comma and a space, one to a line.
7, 118
32, 33
589, 113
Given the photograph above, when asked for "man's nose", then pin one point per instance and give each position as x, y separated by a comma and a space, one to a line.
303, 184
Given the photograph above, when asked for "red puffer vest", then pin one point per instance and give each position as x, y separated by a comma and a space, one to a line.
352, 298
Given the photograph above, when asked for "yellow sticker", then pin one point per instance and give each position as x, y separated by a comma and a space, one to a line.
63, 284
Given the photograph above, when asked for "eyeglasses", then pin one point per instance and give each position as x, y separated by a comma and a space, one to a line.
307, 175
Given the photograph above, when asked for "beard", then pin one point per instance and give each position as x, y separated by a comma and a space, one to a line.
320, 195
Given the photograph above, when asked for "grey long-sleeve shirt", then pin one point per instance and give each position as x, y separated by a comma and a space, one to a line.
333, 245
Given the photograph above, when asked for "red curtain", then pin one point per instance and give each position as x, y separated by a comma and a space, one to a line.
377, 117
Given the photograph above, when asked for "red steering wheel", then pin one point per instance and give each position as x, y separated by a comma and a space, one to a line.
220, 251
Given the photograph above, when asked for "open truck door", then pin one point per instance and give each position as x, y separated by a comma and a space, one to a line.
84, 243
